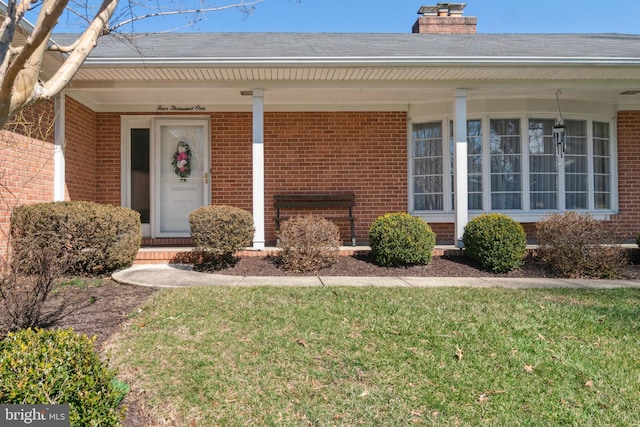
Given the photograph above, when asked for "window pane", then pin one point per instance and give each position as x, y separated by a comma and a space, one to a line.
576, 183
601, 147
575, 164
140, 183
601, 165
506, 182
427, 184
428, 202
544, 201
427, 166
506, 164
475, 201
601, 130
541, 136
543, 163
427, 148
576, 200
475, 184
602, 200
576, 128
475, 145
601, 183
474, 164
543, 182
506, 201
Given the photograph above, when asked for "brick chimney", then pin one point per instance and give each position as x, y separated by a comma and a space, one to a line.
444, 18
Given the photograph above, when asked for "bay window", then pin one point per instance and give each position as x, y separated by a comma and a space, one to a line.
514, 166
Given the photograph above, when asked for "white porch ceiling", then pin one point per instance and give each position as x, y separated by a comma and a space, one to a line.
135, 88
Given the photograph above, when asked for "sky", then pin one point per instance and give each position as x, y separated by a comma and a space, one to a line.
398, 16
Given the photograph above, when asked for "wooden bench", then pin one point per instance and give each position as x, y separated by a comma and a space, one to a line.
317, 201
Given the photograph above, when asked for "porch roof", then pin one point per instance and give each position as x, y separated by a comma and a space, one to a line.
360, 70
260, 48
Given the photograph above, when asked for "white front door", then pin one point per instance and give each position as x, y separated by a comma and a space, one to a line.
181, 174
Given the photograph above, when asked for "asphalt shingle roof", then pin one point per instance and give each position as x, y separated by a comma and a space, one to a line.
292, 46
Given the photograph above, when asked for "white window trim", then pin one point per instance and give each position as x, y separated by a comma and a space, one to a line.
447, 215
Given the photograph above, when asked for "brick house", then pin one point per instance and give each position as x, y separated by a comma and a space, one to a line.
444, 123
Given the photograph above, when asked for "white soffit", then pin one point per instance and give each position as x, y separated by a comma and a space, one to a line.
390, 74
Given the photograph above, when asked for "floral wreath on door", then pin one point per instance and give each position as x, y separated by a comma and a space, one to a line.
182, 161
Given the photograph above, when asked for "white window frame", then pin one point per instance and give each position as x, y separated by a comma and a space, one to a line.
526, 214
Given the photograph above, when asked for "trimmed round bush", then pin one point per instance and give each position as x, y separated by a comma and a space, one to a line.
399, 239
59, 367
95, 238
496, 241
308, 243
220, 230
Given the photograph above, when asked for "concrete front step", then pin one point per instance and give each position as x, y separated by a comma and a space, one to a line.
187, 255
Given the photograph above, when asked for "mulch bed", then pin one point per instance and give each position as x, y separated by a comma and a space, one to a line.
362, 265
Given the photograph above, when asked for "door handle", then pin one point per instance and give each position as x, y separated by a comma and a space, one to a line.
206, 178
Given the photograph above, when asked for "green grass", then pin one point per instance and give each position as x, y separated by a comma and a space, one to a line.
79, 282
365, 356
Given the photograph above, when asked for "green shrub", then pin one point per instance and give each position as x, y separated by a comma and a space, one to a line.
308, 243
495, 241
95, 238
398, 239
577, 245
59, 367
219, 231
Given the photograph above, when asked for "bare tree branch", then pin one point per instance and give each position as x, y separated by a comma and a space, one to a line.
241, 4
30, 57
87, 42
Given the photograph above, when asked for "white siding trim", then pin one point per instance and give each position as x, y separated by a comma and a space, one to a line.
258, 168
460, 154
58, 149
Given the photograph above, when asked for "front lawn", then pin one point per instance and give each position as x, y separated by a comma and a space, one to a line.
386, 356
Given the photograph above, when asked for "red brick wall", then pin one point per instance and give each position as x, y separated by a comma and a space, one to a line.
629, 172
26, 161
231, 160
108, 167
317, 152
80, 151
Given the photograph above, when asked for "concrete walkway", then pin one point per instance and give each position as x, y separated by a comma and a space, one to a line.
182, 276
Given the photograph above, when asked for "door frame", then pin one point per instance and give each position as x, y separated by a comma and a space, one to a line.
153, 123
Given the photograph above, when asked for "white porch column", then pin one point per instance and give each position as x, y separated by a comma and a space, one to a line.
460, 180
58, 149
258, 168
